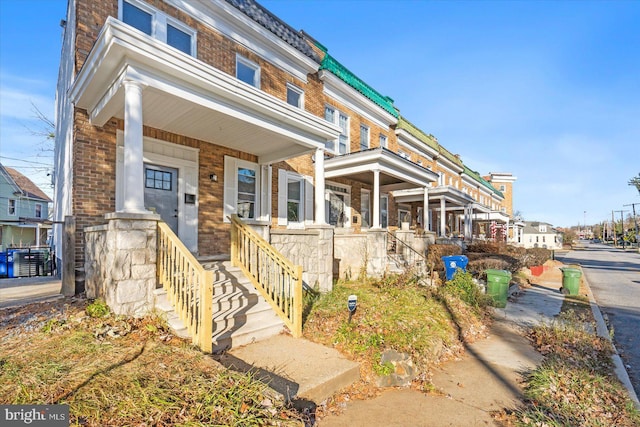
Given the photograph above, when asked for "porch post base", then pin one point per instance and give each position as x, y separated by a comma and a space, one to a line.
120, 262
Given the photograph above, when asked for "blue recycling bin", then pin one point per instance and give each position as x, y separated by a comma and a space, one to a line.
6, 263
453, 263
3, 264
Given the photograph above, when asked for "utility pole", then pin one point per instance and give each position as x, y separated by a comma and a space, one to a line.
622, 223
615, 235
635, 222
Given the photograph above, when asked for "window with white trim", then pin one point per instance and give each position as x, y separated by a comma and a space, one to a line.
383, 141
247, 193
158, 25
295, 199
542, 228
503, 188
241, 188
337, 117
38, 212
404, 215
247, 71
365, 208
364, 137
404, 155
384, 211
12, 207
295, 96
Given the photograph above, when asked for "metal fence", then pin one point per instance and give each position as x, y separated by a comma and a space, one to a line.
28, 262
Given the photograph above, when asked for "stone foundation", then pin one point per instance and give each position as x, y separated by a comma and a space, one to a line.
313, 249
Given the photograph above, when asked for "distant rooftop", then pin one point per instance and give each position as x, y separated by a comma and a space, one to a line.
26, 185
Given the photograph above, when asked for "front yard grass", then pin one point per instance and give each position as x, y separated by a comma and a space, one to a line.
116, 372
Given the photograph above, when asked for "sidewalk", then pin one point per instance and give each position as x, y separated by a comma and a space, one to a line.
486, 379
25, 290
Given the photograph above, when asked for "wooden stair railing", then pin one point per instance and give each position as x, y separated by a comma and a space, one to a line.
277, 279
188, 285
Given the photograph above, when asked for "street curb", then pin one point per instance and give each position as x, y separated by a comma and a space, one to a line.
603, 331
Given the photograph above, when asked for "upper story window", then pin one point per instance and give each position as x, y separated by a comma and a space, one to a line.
247, 71
404, 155
503, 187
38, 212
383, 141
12, 207
440, 178
295, 96
364, 137
337, 117
158, 25
542, 228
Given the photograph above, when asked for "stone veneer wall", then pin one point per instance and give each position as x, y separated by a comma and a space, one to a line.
358, 254
313, 249
120, 262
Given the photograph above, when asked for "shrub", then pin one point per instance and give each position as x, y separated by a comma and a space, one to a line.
463, 286
477, 267
436, 252
537, 256
485, 247
97, 308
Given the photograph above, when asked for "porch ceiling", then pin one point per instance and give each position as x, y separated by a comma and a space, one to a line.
396, 173
185, 96
454, 198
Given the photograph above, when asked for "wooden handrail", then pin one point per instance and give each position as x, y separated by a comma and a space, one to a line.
277, 279
188, 285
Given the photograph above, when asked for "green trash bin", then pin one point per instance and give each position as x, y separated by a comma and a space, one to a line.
571, 280
498, 286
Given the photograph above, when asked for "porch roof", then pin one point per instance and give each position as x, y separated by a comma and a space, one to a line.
490, 216
396, 173
183, 95
450, 194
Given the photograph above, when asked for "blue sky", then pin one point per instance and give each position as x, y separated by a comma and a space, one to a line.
546, 90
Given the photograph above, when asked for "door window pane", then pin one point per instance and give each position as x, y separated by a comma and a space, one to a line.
157, 179
384, 211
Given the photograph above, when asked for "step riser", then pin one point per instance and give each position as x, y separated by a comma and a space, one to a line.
240, 315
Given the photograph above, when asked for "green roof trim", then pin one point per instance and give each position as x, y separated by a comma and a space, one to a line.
340, 71
452, 157
475, 175
428, 139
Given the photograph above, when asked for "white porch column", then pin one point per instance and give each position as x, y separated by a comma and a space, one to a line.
443, 219
506, 238
425, 210
376, 199
133, 149
467, 222
319, 190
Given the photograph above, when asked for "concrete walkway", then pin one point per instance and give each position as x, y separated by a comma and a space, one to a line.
485, 380
26, 290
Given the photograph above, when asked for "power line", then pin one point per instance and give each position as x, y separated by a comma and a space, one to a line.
26, 161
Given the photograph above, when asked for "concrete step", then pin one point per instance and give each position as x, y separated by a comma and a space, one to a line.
298, 369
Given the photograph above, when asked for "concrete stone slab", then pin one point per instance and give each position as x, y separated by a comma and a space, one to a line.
296, 368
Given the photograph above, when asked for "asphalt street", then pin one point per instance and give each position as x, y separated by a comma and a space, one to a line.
614, 278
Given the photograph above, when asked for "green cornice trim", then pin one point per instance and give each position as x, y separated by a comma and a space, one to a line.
340, 71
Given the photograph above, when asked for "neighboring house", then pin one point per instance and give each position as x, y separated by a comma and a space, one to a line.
540, 235
24, 211
193, 111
